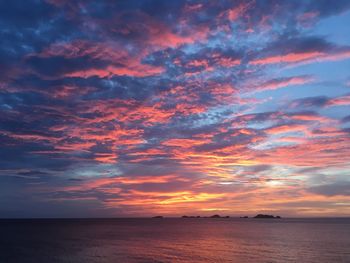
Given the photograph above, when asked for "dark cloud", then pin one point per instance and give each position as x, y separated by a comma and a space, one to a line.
259, 117
59, 66
346, 119
33, 174
259, 168
26, 14
333, 189
231, 138
328, 7
310, 102
287, 44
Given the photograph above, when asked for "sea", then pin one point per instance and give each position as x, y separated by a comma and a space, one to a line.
174, 240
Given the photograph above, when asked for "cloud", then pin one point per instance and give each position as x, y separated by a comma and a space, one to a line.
321, 101
287, 128
334, 189
86, 59
284, 82
346, 119
301, 50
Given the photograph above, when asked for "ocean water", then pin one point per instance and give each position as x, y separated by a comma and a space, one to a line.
174, 240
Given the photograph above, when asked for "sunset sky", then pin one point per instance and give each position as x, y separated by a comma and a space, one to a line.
142, 108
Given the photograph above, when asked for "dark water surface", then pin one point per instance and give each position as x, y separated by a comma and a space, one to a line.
174, 240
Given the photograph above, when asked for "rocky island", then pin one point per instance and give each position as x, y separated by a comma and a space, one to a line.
218, 216
213, 216
266, 216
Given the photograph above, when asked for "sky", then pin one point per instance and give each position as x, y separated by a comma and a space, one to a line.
141, 108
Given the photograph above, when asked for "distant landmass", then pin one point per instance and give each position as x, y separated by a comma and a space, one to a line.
213, 216
218, 216
266, 216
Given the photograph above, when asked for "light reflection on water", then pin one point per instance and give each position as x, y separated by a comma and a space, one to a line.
175, 240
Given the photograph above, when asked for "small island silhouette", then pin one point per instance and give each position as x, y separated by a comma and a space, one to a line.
213, 216
218, 216
266, 216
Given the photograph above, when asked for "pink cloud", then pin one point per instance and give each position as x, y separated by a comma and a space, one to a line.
302, 57
284, 82
119, 61
287, 128
339, 101
236, 12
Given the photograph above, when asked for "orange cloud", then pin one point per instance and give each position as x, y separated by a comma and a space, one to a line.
287, 128
310, 117
318, 152
106, 157
184, 143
